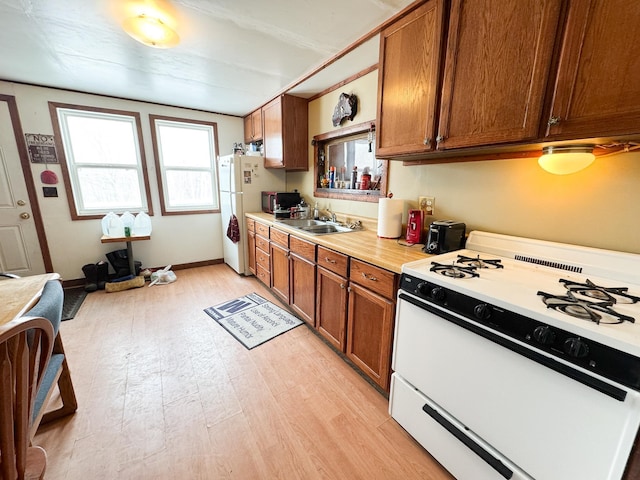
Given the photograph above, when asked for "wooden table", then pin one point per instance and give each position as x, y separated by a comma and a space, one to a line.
17, 295
128, 240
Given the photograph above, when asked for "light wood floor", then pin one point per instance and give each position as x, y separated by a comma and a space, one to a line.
164, 392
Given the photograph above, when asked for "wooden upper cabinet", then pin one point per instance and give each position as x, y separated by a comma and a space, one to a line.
498, 59
285, 133
408, 81
253, 127
597, 89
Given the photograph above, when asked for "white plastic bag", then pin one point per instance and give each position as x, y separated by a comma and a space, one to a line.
162, 277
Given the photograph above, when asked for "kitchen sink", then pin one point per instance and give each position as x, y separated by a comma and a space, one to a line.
316, 227
299, 223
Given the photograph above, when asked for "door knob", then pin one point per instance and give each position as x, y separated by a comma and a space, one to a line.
21, 203
25, 216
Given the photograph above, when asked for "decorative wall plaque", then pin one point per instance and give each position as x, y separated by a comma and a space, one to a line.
347, 107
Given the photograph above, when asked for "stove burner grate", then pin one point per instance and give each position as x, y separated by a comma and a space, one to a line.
585, 309
605, 294
480, 262
454, 271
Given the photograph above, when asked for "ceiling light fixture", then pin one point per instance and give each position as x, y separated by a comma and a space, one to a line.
151, 31
566, 159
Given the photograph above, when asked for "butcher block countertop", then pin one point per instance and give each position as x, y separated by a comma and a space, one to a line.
362, 244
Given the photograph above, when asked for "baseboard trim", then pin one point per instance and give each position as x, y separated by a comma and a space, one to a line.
78, 282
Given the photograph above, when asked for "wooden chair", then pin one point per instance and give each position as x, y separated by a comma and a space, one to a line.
25, 350
49, 306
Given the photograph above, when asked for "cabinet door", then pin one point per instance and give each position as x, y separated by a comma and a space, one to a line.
251, 250
369, 331
272, 134
331, 307
498, 57
597, 89
303, 288
408, 81
248, 129
280, 271
256, 124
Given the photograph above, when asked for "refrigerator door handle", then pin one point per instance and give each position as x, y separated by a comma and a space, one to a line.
234, 205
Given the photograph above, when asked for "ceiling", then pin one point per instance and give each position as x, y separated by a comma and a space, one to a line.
233, 55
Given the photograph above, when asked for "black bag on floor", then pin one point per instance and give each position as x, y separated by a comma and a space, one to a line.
119, 260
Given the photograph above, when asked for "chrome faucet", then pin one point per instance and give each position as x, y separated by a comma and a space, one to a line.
333, 216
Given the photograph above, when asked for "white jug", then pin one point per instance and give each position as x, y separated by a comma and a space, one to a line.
142, 224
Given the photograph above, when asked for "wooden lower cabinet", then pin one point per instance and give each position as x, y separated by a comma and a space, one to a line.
251, 251
303, 288
280, 271
369, 333
349, 302
331, 307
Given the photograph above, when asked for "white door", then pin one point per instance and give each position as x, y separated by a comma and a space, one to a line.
19, 245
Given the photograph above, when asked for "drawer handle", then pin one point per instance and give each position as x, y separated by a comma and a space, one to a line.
329, 260
369, 277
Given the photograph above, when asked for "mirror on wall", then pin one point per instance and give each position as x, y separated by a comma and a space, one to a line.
346, 166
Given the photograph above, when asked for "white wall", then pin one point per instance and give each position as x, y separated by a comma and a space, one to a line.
174, 240
596, 207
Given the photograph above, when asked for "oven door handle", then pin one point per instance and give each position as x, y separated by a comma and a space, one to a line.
492, 461
592, 382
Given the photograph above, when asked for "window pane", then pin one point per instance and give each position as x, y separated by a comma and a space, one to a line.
185, 146
109, 188
102, 141
189, 188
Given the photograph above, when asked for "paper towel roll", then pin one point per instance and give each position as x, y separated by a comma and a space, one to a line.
390, 217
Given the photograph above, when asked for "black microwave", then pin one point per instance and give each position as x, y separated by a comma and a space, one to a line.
286, 200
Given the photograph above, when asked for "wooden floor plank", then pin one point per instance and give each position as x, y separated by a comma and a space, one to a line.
166, 392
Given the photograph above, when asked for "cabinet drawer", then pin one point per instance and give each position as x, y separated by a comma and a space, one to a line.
376, 279
302, 248
251, 225
262, 229
262, 259
334, 261
279, 237
263, 275
262, 243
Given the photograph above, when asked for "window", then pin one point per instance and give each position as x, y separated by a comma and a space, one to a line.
185, 154
104, 161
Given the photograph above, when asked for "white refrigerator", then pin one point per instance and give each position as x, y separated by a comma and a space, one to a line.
242, 180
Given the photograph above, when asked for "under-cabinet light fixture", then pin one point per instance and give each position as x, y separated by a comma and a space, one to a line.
151, 31
566, 159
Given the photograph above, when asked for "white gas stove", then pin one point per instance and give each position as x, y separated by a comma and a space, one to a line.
530, 266
526, 353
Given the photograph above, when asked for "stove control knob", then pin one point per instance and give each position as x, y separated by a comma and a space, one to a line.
439, 294
574, 347
544, 335
482, 311
422, 288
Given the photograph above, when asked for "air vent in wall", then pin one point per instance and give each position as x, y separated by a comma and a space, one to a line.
547, 263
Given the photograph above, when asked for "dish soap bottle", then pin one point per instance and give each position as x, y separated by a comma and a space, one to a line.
316, 214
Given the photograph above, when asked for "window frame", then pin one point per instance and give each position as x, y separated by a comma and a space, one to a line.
64, 164
160, 171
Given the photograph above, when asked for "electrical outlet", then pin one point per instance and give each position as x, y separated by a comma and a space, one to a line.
427, 205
